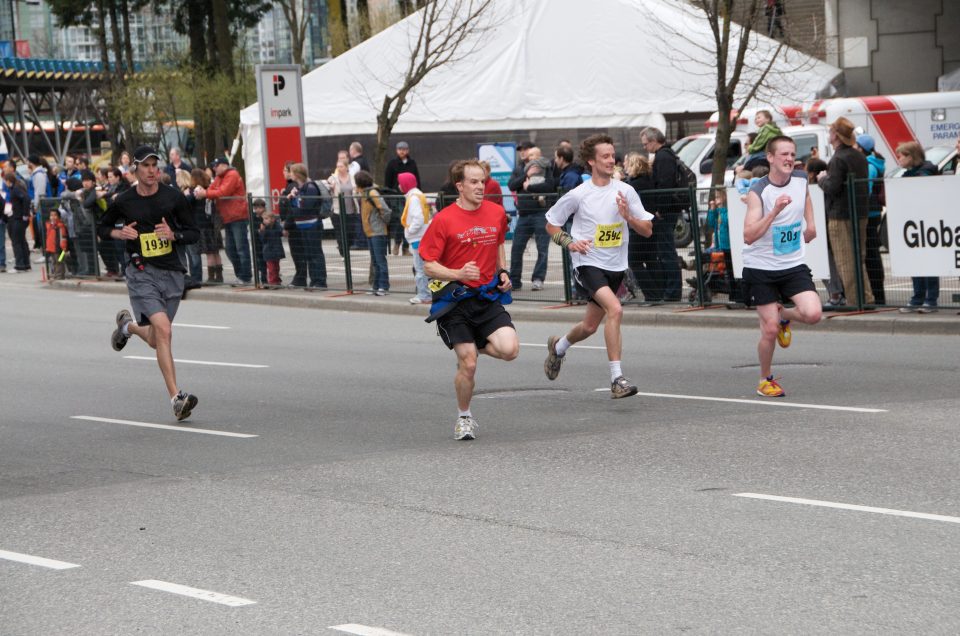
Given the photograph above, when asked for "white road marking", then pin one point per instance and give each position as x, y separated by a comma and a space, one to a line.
216, 364
183, 324
843, 506
544, 344
363, 630
180, 429
35, 560
771, 402
193, 592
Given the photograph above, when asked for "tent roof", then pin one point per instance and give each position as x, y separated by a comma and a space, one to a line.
545, 64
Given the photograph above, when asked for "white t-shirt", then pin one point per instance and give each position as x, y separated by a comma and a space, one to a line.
782, 247
596, 217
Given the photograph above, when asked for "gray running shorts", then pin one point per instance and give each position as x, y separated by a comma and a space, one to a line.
153, 290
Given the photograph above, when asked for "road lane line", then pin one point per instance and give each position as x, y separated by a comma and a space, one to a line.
543, 344
193, 592
796, 405
179, 429
35, 560
843, 506
215, 364
364, 630
183, 324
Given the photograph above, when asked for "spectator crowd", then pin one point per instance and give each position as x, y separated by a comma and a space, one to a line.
58, 206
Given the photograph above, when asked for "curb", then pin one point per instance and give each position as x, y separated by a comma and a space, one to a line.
881, 322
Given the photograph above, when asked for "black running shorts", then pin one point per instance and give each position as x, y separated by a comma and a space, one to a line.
589, 280
472, 320
763, 287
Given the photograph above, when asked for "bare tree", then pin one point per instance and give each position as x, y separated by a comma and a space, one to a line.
442, 33
295, 12
746, 64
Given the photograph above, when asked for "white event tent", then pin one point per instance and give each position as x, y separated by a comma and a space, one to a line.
545, 64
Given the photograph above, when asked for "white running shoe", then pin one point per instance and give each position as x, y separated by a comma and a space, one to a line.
465, 428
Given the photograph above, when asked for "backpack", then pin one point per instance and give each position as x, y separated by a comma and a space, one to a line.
395, 200
686, 179
325, 207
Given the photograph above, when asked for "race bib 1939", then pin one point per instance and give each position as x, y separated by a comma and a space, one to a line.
151, 245
608, 235
786, 238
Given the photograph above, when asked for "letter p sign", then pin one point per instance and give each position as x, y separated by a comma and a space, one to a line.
278, 84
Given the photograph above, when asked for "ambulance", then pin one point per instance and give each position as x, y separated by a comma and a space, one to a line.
932, 119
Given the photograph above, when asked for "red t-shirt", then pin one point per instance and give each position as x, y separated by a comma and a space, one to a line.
457, 236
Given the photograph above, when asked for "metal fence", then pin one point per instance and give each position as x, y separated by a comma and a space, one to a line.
680, 265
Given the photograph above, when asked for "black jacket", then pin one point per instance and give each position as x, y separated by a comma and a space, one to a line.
536, 198
643, 184
396, 167
664, 178
846, 161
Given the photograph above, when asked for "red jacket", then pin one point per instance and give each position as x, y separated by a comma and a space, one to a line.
56, 233
229, 185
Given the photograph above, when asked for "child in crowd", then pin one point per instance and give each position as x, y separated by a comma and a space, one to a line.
718, 220
766, 130
56, 245
259, 207
746, 178
271, 240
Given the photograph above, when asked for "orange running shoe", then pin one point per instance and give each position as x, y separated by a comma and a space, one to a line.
768, 387
784, 334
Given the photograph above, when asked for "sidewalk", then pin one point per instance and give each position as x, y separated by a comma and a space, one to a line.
884, 321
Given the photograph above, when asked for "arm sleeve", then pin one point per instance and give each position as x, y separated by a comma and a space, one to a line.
836, 177
90, 199
414, 216
516, 181
416, 173
547, 187
390, 175
189, 233
108, 221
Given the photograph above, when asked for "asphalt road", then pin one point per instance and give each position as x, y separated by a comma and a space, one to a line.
570, 514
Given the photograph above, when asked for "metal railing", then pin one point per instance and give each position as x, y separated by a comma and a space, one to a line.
338, 256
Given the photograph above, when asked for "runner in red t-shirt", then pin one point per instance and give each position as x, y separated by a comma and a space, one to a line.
464, 243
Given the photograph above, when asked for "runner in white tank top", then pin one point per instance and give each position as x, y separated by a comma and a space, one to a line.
778, 224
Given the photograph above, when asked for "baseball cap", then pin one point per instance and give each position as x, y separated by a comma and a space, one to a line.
142, 153
219, 160
867, 143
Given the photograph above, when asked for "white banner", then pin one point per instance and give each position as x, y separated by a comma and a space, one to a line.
923, 225
815, 252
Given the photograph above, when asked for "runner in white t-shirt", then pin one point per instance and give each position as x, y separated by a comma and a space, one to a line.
779, 222
602, 208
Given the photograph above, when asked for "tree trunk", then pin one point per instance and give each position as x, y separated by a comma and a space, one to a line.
117, 40
101, 32
127, 41
383, 142
221, 29
198, 44
722, 144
